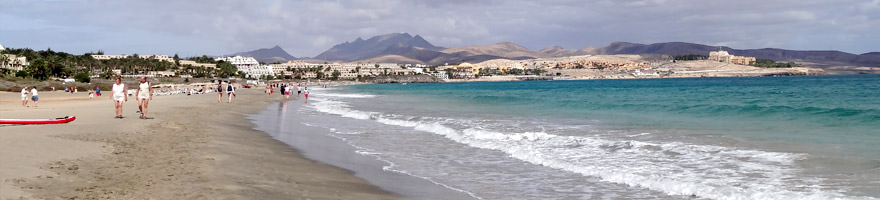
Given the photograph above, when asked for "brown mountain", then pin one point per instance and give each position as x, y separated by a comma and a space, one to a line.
503, 49
268, 55
557, 51
387, 44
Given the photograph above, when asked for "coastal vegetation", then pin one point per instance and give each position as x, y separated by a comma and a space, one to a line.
46, 64
691, 57
767, 63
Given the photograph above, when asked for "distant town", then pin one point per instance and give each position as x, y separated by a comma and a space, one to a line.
60, 65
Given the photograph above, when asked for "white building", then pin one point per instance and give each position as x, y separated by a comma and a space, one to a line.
14, 63
248, 65
165, 58
441, 75
195, 64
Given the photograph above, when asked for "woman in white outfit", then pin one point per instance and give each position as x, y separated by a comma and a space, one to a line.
119, 96
230, 92
144, 95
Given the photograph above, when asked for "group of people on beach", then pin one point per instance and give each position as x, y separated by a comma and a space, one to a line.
230, 91
34, 96
143, 95
287, 89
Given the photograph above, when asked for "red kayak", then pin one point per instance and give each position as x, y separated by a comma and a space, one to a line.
59, 120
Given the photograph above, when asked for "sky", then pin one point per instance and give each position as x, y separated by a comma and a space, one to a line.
307, 28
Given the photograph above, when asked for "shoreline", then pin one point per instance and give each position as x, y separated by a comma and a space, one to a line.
194, 148
283, 121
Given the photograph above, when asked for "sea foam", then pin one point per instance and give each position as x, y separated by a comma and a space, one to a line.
674, 168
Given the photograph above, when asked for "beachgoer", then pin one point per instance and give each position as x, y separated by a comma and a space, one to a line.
268, 89
119, 96
306, 91
91, 95
34, 96
230, 92
98, 91
284, 91
24, 99
219, 91
144, 95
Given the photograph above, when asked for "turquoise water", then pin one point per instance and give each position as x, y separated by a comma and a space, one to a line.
843, 111
808, 137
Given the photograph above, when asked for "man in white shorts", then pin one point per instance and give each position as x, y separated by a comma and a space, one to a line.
119, 96
144, 95
24, 99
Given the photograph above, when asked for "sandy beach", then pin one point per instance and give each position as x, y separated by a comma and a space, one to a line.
194, 148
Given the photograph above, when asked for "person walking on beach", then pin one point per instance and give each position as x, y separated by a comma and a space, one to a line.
144, 95
306, 92
230, 92
119, 96
98, 91
34, 96
268, 89
24, 99
285, 91
219, 91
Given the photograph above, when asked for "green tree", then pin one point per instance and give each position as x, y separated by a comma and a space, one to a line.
449, 72
82, 77
39, 69
226, 69
335, 75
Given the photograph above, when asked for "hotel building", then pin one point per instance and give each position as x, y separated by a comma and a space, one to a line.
248, 65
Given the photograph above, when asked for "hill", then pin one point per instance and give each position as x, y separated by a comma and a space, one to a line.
375, 46
816, 58
268, 55
503, 49
405, 48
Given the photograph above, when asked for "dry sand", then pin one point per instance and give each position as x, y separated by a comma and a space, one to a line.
194, 148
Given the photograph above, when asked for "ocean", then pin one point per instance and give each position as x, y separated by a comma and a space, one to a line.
800, 137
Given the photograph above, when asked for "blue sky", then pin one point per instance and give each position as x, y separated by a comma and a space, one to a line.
307, 28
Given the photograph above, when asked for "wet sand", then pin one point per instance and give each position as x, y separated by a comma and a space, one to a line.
194, 148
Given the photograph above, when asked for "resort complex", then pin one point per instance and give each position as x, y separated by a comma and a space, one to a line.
723, 56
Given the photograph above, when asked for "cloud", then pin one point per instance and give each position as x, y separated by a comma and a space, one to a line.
306, 28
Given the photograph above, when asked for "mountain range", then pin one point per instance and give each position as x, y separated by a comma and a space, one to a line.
405, 48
